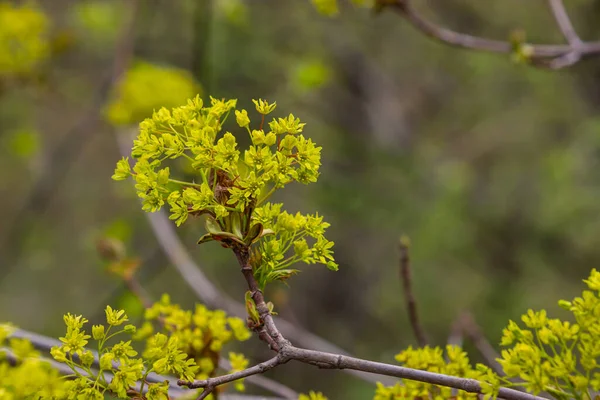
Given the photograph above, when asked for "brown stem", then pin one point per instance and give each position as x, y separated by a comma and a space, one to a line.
275, 338
409, 297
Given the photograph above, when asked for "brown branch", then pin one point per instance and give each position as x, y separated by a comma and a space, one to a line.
543, 55
566, 27
286, 352
564, 23
409, 297
337, 361
211, 383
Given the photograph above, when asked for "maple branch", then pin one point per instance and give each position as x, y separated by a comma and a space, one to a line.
551, 56
566, 27
207, 292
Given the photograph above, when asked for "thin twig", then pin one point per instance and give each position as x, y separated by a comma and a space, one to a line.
564, 23
409, 297
211, 383
543, 55
566, 27
263, 382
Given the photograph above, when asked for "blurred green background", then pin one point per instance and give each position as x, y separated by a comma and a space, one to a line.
491, 168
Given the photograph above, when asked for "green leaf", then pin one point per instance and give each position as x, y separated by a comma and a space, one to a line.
215, 231
212, 226
254, 233
266, 232
236, 225
206, 238
251, 309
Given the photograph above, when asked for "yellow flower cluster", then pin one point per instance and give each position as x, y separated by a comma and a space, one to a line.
201, 334
233, 186
555, 356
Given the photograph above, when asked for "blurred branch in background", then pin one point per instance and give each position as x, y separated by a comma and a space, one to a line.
540, 55
68, 147
465, 326
409, 297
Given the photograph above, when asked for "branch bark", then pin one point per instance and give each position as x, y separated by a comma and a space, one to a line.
543, 55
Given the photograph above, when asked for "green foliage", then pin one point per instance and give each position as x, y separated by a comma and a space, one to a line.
233, 189
100, 19
24, 143
24, 41
146, 87
311, 74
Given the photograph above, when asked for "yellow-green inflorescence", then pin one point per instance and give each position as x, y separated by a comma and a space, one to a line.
231, 188
179, 343
554, 356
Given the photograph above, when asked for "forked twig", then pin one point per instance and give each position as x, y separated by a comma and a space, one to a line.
551, 56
